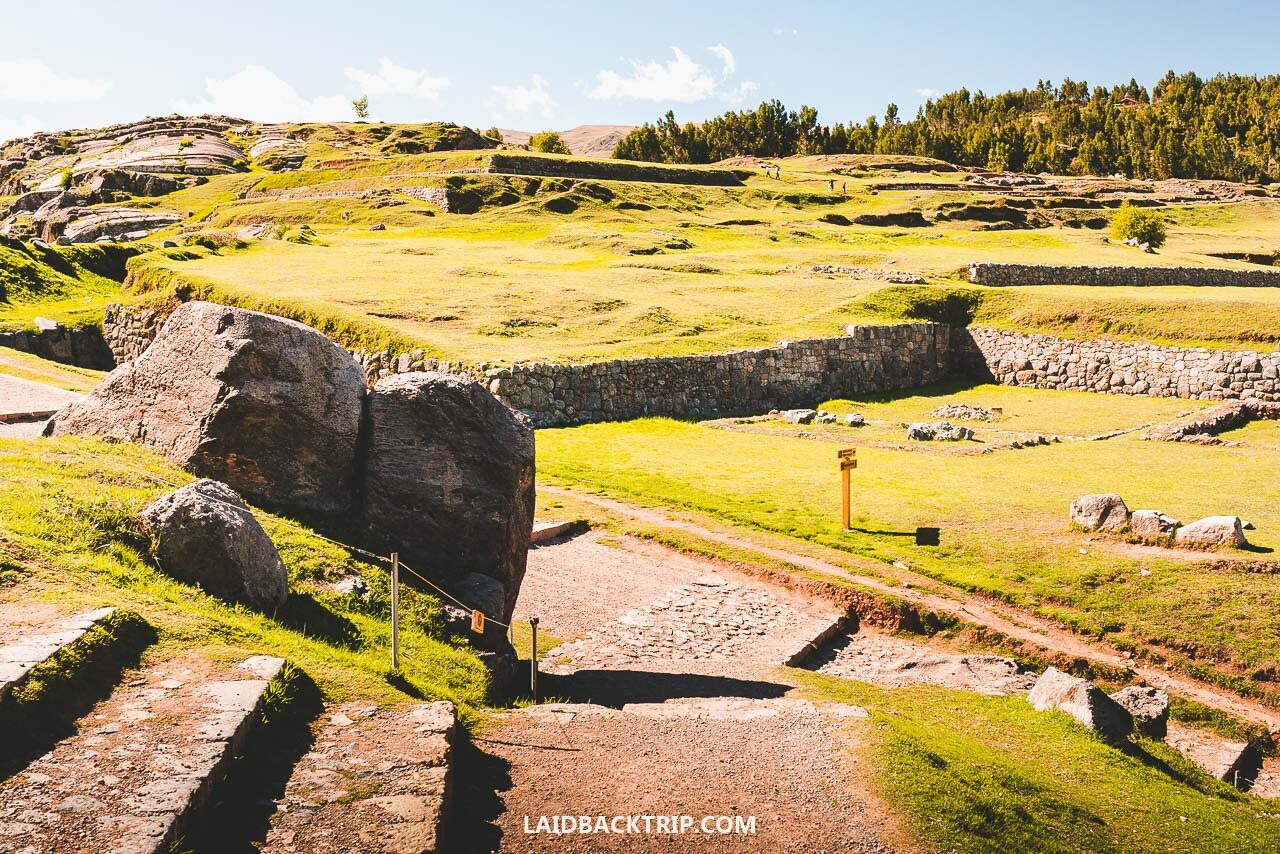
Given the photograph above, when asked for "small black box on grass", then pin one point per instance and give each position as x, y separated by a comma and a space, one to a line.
927, 536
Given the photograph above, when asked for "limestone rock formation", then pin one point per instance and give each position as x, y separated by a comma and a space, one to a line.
267, 405
1148, 706
206, 535
1103, 512
1083, 700
448, 479
1213, 531
1152, 526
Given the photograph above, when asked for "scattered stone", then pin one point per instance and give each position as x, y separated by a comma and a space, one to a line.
1083, 700
378, 227
824, 417
965, 412
205, 535
1101, 512
1152, 526
268, 406
941, 432
1148, 706
799, 416
854, 419
1213, 531
448, 479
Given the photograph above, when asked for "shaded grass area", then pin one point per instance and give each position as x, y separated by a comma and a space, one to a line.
1003, 517
987, 774
71, 285
28, 367
68, 535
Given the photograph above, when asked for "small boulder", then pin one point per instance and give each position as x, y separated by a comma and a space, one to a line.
799, 416
1149, 708
1083, 700
378, 226
449, 480
205, 535
1152, 526
1103, 512
825, 417
1213, 532
854, 419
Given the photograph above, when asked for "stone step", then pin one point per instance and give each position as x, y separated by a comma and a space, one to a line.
25, 653
545, 531
375, 781
142, 763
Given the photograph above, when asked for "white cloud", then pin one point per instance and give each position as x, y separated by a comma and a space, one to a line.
726, 57
397, 80
928, 93
524, 99
740, 92
255, 92
24, 125
681, 79
31, 81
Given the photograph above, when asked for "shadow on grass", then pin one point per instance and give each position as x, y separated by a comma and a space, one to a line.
43, 709
303, 613
239, 816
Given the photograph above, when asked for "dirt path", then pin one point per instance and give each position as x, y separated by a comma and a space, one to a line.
671, 667
1013, 622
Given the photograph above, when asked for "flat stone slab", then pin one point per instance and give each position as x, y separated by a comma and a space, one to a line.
1234, 762
895, 662
546, 531
375, 781
20, 656
141, 763
22, 399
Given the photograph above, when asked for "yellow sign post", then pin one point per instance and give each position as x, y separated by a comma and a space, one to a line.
848, 462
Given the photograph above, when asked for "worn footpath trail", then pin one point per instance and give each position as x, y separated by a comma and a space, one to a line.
1007, 619
672, 706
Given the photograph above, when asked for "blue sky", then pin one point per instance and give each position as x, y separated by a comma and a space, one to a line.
549, 64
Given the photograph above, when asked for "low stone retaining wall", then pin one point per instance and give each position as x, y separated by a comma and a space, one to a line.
84, 348
129, 331
869, 359
1010, 275
1119, 367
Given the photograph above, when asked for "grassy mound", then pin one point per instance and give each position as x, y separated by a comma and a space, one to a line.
67, 284
68, 535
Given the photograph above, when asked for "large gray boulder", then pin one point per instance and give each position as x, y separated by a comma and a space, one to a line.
205, 535
1083, 700
448, 481
1148, 706
1213, 532
267, 405
1103, 512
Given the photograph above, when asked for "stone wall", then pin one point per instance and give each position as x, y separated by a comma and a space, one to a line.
84, 348
867, 360
1009, 275
1119, 367
129, 331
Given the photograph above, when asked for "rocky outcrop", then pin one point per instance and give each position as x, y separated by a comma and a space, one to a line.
205, 535
75, 224
1213, 532
1084, 701
1152, 526
1103, 512
940, 432
267, 405
1149, 708
449, 479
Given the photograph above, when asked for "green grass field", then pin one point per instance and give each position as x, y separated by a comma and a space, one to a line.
1003, 514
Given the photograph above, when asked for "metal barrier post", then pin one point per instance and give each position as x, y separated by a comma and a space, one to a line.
533, 660
395, 610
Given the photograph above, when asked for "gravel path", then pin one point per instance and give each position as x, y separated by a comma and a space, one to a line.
673, 667
20, 397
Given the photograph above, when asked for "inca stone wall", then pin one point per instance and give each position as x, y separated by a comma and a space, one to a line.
1119, 367
868, 359
129, 331
81, 347
1009, 275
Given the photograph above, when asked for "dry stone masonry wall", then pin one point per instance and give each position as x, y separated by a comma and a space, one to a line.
1122, 367
868, 359
1010, 275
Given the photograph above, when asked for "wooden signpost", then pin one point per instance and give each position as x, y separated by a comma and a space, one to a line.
848, 462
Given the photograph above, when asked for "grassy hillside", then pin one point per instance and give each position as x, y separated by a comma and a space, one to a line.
69, 284
69, 539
